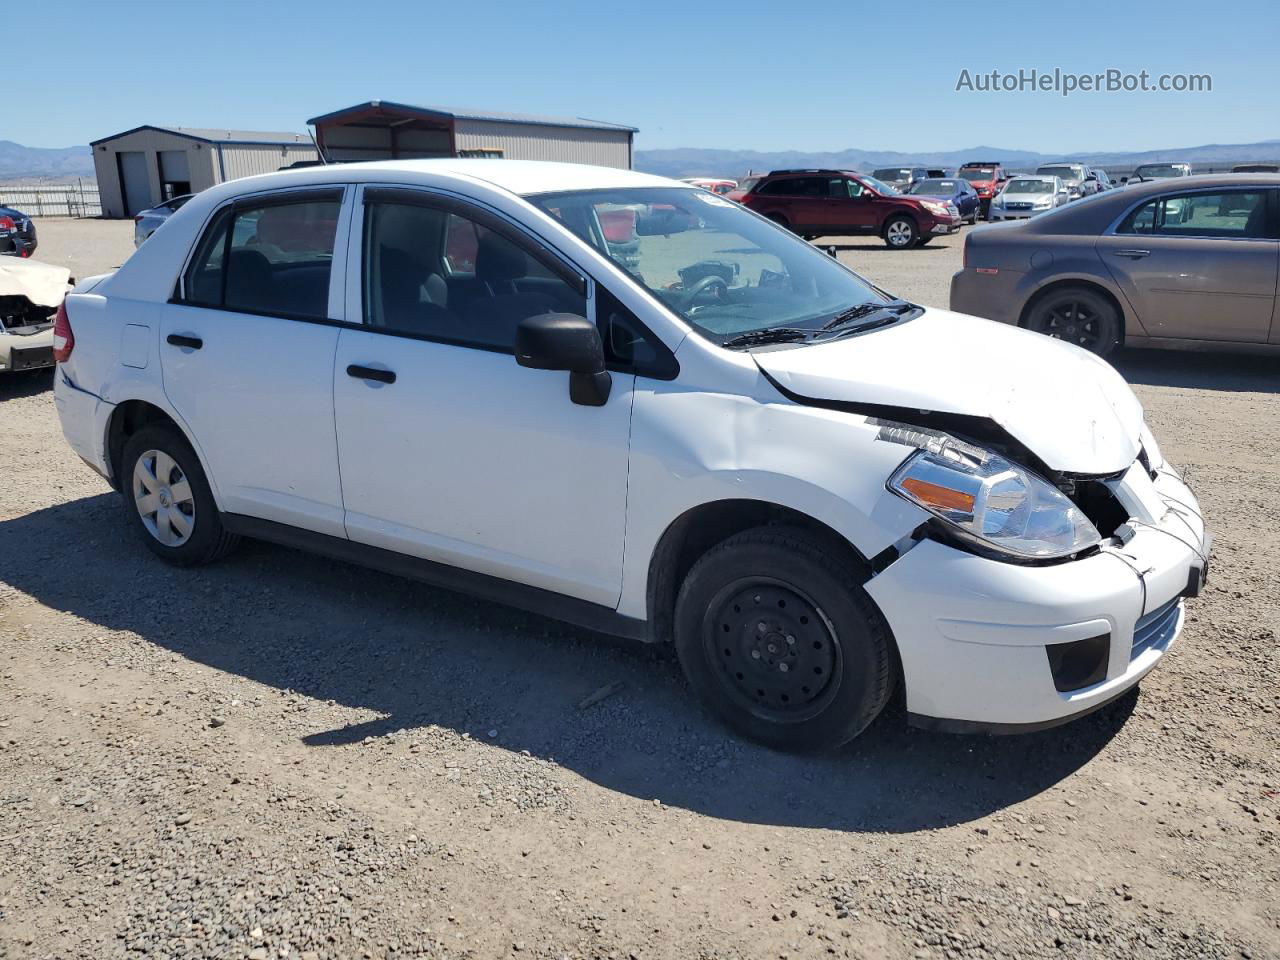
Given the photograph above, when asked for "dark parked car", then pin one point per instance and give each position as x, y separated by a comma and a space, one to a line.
901, 178
17, 233
1168, 263
817, 203
955, 189
1256, 168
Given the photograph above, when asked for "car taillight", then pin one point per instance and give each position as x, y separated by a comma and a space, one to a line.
64, 340
7, 225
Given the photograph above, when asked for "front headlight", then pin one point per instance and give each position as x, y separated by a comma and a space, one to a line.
935, 208
987, 499
1152, 449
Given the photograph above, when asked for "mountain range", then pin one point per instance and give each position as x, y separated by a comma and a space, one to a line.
21, 162
695, 162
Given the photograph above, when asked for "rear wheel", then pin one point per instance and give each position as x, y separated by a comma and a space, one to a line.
169, 496
776, 634
1077, 316
780, 220
900, 233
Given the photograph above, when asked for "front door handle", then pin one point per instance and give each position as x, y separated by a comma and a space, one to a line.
182, 340
371, 373
1133, 254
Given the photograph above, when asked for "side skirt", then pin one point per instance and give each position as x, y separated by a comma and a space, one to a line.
580, 613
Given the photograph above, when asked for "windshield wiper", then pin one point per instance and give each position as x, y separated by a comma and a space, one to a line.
853, 314
772, 335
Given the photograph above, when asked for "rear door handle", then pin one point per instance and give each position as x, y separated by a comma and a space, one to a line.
371, 373
1133, 254
181, 340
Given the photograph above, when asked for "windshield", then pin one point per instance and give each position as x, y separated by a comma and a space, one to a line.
716, 265
879, 186
978, 173
1154, 171
1029, 186
748, 184
1066, 173
935, 188
893, 173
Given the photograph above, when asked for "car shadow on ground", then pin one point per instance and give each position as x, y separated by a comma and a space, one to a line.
416, 656
871, 246
14, 386
1247, 373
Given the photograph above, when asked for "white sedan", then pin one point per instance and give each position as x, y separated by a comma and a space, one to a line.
729, 442
1024, 197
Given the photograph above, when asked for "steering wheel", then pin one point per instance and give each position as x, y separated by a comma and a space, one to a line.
687, 297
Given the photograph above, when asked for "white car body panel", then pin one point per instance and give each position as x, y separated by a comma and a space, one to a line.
1067, 405
473, 461
44, 284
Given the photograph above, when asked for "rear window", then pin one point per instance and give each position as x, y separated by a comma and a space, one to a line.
978, 173
272, 258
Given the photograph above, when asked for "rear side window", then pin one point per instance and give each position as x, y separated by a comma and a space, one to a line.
272, 257
1230, 215
795, 187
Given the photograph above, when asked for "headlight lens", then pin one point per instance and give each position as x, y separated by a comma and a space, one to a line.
1154, 456
988, 498
935, 208
1044, 204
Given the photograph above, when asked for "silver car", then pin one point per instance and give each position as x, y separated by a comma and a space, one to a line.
1024, 197
148, 221
1074, 175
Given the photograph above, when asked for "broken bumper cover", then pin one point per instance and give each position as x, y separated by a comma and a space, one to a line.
26, 349
975, 634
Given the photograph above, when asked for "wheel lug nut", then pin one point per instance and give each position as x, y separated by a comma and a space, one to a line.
755, 654
791, 640
783, 667
761, 627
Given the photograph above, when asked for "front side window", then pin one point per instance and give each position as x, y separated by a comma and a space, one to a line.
457, 276
714, 264
1228, 215
270, 257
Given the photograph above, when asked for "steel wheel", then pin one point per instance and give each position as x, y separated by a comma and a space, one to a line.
163, 497
775, 650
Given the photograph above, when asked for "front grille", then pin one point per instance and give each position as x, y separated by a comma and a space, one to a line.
1156, 628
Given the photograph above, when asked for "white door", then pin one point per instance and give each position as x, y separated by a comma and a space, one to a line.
248, 368
449, 450
134, 181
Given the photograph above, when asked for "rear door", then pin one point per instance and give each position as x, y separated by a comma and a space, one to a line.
1199, 265
247, 352
802, 200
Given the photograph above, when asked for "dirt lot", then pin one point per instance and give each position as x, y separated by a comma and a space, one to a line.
284, 756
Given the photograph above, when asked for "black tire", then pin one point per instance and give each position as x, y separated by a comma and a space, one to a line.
208, 539
816, 655
780, 220
900, 232
1077, 315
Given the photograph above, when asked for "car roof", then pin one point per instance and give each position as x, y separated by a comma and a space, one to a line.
522, 177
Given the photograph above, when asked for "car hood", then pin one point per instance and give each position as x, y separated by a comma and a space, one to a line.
42, 283
1070, 408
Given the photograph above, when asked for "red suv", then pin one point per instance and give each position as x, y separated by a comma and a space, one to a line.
987, 178
816, 203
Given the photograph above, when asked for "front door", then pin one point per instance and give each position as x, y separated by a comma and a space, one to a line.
449, 450
850, 209
1200, 265
247, 357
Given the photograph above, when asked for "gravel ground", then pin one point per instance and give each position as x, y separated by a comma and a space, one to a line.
283, 756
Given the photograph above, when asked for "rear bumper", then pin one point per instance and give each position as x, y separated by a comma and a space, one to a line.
83, 416
975, 634
994, 296
31, 351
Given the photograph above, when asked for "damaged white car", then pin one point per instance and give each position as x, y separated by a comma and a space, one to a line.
724, 439
30, 292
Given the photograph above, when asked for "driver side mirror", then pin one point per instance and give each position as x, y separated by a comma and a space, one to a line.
566, 341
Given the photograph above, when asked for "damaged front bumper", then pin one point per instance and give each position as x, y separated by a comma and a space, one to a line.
999, 647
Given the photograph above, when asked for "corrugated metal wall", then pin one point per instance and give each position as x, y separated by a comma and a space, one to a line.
518, 141
247, 160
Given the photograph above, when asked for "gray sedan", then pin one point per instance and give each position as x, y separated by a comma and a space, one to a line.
149, 221
1190, 262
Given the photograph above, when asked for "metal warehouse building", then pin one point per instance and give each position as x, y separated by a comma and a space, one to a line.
147, 165
381, 130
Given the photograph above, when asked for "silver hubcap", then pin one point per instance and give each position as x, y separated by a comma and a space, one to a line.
899, 233
163, 497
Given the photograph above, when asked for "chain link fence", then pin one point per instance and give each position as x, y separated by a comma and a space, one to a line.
77, 199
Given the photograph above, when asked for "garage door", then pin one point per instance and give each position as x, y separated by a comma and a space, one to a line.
175, 178
134, 181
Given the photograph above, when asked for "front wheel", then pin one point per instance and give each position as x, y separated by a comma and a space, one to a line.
170, 500
900, 233
1077, 316
776, 634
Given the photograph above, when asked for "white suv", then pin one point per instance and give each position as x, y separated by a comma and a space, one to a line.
724, 439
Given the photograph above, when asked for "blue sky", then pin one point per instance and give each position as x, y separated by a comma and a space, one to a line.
766, 76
